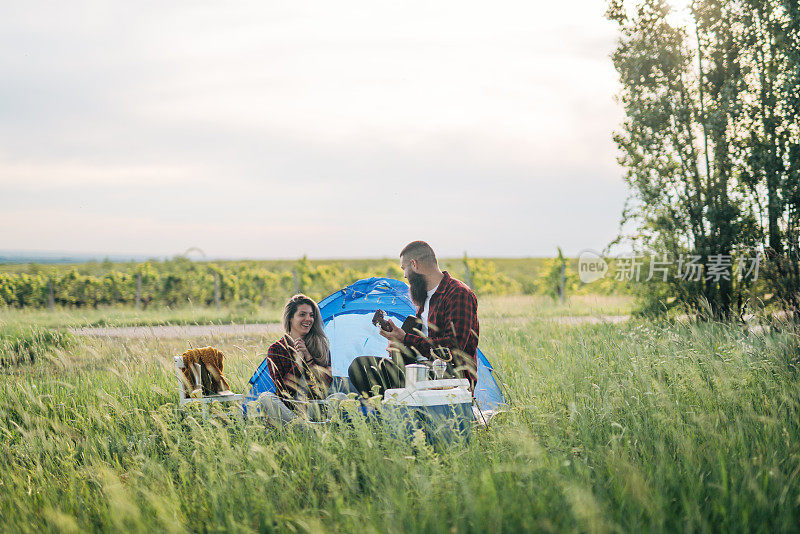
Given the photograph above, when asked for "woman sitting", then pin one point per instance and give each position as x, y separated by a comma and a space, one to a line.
300, 361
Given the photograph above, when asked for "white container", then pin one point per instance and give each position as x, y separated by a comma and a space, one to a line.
426, 397
442, 408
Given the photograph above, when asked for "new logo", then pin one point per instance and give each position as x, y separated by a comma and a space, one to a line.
591, 266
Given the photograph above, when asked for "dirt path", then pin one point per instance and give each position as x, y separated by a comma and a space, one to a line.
180, 332
218, 330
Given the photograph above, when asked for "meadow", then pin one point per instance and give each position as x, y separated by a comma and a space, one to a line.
639, 426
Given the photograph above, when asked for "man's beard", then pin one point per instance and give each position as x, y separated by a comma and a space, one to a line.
418, 287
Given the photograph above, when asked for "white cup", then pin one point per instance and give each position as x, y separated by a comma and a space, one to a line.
415, 373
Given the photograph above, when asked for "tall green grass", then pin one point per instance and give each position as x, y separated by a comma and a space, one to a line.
24, 344
635, 427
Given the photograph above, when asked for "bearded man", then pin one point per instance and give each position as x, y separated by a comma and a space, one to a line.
447, 310
447, 325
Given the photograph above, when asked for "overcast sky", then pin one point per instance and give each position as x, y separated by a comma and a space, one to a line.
333, 129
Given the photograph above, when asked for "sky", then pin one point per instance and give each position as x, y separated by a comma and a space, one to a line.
332, 129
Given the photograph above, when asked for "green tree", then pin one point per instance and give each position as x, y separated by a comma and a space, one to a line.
769, 146
683, 89
487, 280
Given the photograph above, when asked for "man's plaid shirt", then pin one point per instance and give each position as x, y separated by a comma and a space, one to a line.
452, 323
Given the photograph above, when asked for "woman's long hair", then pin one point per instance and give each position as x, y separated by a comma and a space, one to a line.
316, 340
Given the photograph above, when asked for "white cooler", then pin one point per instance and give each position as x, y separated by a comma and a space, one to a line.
442, 408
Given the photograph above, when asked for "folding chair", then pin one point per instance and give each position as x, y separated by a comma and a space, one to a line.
183, 399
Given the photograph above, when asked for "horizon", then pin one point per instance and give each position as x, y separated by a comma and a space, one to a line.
86, 257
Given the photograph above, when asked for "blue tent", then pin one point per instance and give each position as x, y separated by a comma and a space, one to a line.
347, 315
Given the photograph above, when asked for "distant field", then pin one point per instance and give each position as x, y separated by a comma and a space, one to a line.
633, 427
517, 268
248, 285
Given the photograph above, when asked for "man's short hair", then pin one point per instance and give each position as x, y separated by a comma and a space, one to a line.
419, 251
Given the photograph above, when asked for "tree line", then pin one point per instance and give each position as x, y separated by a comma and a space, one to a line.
711, 142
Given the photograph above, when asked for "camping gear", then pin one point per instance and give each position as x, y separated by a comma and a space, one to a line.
210, 378
441, 408
194, 369
439, 367
347, 315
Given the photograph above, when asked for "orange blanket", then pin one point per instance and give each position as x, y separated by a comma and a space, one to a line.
210, 360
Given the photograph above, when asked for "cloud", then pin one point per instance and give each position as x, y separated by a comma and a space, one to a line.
214, 124
35, 176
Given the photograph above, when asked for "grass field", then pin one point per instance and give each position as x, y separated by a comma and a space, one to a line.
629, 427
507, 306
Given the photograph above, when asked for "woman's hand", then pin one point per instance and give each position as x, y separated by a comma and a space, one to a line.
300, 345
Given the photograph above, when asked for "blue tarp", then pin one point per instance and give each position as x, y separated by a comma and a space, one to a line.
347, 315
